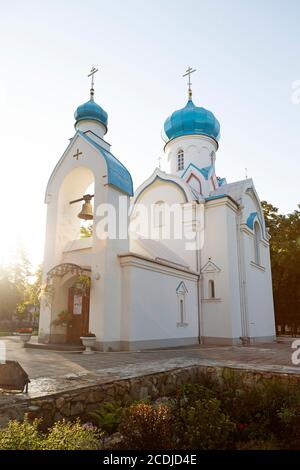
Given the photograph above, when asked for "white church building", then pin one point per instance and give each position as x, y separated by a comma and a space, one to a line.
182, 260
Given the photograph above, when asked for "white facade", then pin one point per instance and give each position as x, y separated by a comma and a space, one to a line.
148, 289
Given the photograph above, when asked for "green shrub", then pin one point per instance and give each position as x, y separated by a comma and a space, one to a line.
145, 426
21, 436
109, 416
203, 426
258, 445
65, 435
289, 418
194, 392
61, 436
259, 408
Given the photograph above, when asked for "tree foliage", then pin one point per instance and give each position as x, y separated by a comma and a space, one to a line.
285, 261
19, 289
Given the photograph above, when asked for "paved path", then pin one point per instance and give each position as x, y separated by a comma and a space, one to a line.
51, 371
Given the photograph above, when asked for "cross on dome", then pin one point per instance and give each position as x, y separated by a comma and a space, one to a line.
91, 74
188, 73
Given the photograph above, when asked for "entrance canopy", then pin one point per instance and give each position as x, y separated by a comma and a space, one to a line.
67, 268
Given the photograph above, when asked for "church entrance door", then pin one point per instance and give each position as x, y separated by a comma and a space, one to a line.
78, 306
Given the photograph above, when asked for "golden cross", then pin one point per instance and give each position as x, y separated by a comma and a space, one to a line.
77, 154
188, 72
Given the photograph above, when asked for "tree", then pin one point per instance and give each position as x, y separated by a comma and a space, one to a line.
19, 289
9, 295
285, 261
30, 305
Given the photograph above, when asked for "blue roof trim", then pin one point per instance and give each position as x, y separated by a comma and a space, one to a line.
204, 171
117, 173
219, 196
251, 219
210, 198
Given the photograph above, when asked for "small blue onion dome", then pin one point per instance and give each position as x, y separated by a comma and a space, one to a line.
191, 120
91, 111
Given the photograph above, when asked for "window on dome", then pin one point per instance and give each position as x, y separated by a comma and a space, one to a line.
180, 160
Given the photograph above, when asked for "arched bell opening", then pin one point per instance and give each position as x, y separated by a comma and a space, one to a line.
75, 206
86, 214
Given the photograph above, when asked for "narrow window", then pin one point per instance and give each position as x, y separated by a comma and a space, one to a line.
256, 243
180, 160
181, 311
211, 289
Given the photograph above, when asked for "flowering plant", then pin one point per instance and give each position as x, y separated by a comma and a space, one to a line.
83, 283
64, 318
25, 330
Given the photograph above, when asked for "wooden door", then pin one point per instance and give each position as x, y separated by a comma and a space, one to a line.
78, 306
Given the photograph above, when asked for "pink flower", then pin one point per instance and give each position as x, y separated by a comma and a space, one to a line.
89, 426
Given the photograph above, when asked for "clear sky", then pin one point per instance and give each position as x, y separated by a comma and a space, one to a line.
247, 57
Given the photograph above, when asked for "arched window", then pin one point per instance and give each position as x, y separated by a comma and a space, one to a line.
181, 292
256, 243
180, 160
195, 183
211, 289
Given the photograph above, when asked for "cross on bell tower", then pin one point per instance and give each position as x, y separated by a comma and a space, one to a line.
91, 74
188, 73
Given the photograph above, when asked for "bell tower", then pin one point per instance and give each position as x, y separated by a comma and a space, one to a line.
88, 184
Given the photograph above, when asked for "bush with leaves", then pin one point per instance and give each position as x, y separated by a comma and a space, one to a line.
62, 435
145, 426
203, 426
21, 436
65, 435
108, 416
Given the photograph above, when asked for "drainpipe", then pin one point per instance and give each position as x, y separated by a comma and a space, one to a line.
242, 279
200, 323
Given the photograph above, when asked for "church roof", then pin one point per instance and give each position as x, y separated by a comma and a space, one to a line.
235, 189
191, 120
161, 252
117, 173
205, 171
91, 111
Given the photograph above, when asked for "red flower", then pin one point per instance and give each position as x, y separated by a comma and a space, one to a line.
242, 426
25, 330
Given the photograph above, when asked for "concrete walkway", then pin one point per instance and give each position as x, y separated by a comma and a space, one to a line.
52, 371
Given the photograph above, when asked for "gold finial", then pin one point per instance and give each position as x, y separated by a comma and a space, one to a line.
188, 72
91, 74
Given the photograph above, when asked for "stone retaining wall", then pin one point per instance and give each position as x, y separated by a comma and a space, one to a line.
79, 402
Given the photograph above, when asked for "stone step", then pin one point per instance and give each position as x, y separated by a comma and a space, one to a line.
55, 347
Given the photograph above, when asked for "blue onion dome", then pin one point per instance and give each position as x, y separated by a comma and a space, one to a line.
91, 111
191, 120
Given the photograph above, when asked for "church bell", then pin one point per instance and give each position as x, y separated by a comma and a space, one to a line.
86, 212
